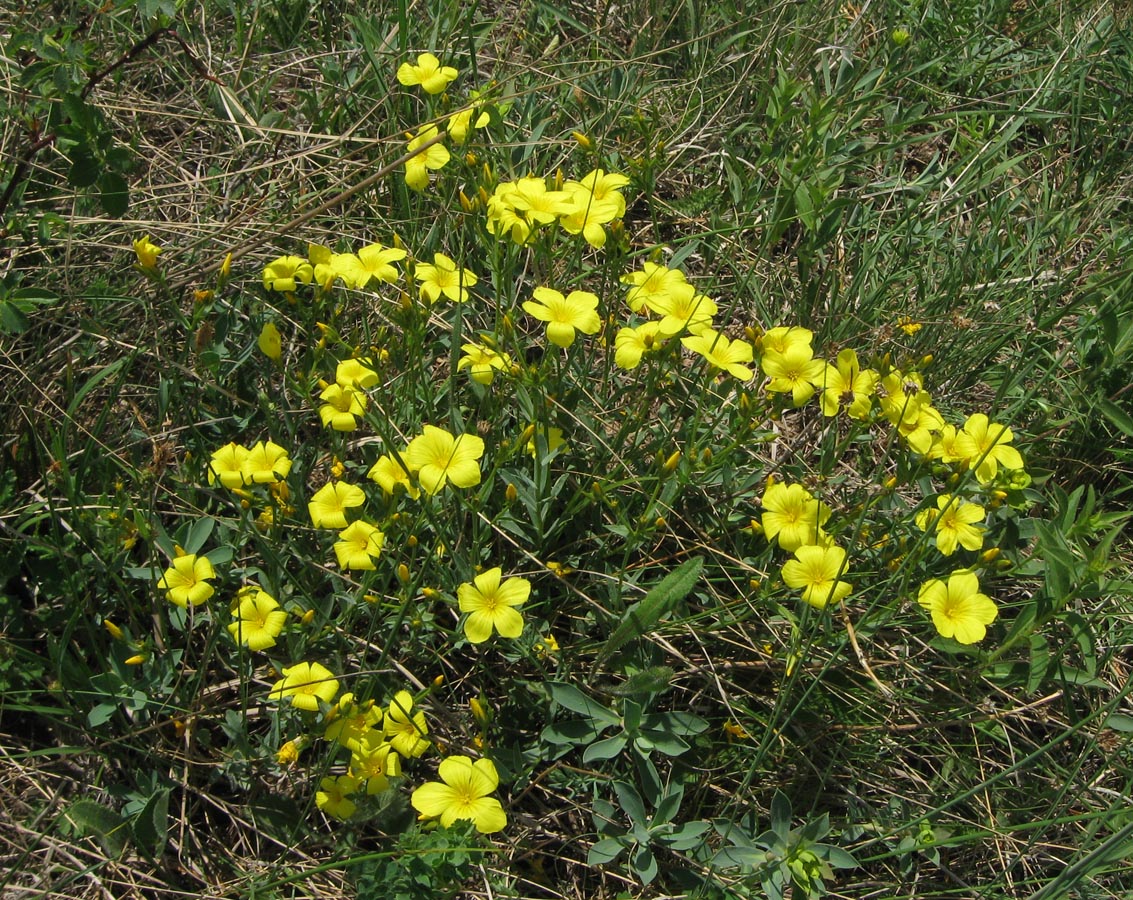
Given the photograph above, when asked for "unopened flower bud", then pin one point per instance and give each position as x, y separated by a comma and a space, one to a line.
672, 461
402, 573
136, 660
115, 631
510, 494
308, 617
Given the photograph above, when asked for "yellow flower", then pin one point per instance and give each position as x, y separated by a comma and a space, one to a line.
958, 609
992, 447
258, 620
553, 437
792, 515
460, 124
490, 604
288, 753
630, 344
341, 407
355, 374
719, 352
185, 582
284, 273
373, 263
404, 728
530, 199
333, 796
815, 570
795, 371
578, 311
954, 522
305, 684
374, 761
462, 793
146, 251
226, 465
650, 283
443, 278
390, 474
428, 72
358, 545
438, 458
434, 157
329, 504
482, 362
848, 385
350, 721
778, 339
266, 463
270, 342
683, 309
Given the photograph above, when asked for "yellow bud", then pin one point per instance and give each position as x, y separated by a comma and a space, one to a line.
706, 455
891, 482
288, 753
465, 203
438, 681
559, 179
430, 593
660, 522
672, 461
402, 573
411, 541
136, 660
583, 141
511, 494
115, 631
226, 266
926, 361
989, 555
308, 617
754, 583
471, 158
480, 712
528, 434
483, 196
200, 297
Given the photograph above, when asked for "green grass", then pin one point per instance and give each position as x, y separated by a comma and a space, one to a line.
962, 167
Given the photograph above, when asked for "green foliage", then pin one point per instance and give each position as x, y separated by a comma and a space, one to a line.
431, 864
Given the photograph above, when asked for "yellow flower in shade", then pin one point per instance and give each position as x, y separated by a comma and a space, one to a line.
270, 342
462, 793
374, 761
226, 465
284, 274
649, 283
358, 545
795, 371
793, 516
778, 339
438, 458
720, 353
350, 720
958, 608
683, 309
355, 373
443, 279
490, 603
146, 251
404, 728
186, 581
390, 474
954, 522
257, 619
460, 124
305, 684
552, 436
815, 571
329, 504
434, 157
333, 796
373, 263
266, 463
341, 407
631, 344
992, 447
428, 73
482, 362
848, 386
578, 311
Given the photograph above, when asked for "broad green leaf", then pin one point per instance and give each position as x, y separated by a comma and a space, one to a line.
631, 802
604, 852
643, 616
91, 819
605, 749
151, 827
570, 697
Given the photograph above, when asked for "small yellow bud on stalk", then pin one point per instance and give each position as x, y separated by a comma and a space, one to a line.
115, 631
402, 573
672, 461
136, 660
511, 494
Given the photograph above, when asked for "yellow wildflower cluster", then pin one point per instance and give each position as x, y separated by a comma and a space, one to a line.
518, 209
